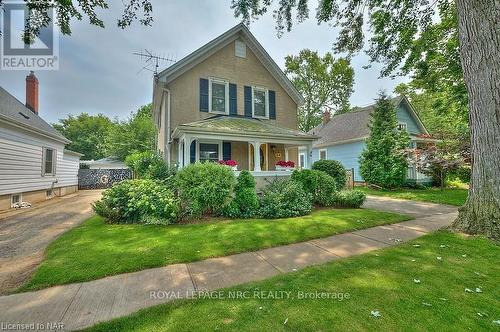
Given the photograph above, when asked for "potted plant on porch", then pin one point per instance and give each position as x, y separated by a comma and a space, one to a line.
230, 163
283, 165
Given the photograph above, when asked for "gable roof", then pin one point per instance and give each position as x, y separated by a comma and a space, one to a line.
239, 31
353, 126
16, 113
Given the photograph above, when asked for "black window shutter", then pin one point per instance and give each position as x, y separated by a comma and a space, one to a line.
226, 150
272, 104
233, 105
192, 152
248, 101
203, 95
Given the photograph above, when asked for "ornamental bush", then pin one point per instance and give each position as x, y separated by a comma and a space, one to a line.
205, 188
320, 185
333, 168
349, 199
245, 203
138, 201
148, 165
285, 198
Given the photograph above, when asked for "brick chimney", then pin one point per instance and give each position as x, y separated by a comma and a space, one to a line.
32, 92
326, 117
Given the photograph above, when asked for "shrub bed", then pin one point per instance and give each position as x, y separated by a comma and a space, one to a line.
138, 201
320, 185
285, 198
245, 203
349, 199
333, 168
205, 188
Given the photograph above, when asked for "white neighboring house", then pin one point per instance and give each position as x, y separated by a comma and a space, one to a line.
34, 165
104, 163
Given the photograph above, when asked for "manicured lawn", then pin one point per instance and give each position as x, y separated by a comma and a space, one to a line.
451, 196
97, 249
381, 281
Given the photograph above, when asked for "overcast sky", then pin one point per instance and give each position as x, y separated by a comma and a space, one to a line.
98, 72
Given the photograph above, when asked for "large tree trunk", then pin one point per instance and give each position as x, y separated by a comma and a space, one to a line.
479, 35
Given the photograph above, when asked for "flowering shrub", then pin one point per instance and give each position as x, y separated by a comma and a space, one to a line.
138, 201
283, 163
285, 198
205, 188
231, 163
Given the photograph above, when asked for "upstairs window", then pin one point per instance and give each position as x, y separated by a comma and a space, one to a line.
219, 96
260, 103
240, 49
402, 126
49, 162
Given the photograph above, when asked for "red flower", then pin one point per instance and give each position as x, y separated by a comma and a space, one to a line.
228, 162
283, 163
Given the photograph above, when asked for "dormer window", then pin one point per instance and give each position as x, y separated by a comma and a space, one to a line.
219, 96
260, 103
402, 126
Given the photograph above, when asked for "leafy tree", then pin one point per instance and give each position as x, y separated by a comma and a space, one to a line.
87, 134
383, 161
395, 26
436, 161
65, 10
137, 134
325, 82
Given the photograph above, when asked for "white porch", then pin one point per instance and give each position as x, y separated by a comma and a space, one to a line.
256, 145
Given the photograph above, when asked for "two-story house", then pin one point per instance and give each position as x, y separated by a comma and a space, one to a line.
343, 137
228, 100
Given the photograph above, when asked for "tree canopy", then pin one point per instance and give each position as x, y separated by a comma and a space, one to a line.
325, 82
97, 136
137, 134
87, 134
39, 14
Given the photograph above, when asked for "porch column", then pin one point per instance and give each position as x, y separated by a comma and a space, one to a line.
286, 154
256, 156
309, 156
187, 150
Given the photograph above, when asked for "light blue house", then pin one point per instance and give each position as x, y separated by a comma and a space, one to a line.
342, 137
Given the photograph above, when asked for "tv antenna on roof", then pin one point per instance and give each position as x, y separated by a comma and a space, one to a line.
152, 61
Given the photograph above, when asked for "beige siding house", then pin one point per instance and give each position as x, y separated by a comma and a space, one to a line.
228, 100
34, 165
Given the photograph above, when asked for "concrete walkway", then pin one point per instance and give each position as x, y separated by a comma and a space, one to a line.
82, 305
25, 233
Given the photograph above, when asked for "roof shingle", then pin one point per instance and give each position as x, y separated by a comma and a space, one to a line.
16, 112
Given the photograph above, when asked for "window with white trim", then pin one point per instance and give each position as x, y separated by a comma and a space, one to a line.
402, 126
218, 96
209, 152
240, 49
323, 154
302, 160
260, 102
49, 161
15, 198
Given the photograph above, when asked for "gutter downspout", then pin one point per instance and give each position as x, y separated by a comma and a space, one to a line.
167, 127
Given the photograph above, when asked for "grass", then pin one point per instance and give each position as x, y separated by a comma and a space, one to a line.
96, 249
451, 196
382, 280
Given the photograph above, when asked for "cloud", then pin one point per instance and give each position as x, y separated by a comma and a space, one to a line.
98, 72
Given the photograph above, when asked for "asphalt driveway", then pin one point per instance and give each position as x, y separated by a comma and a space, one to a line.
24, 236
